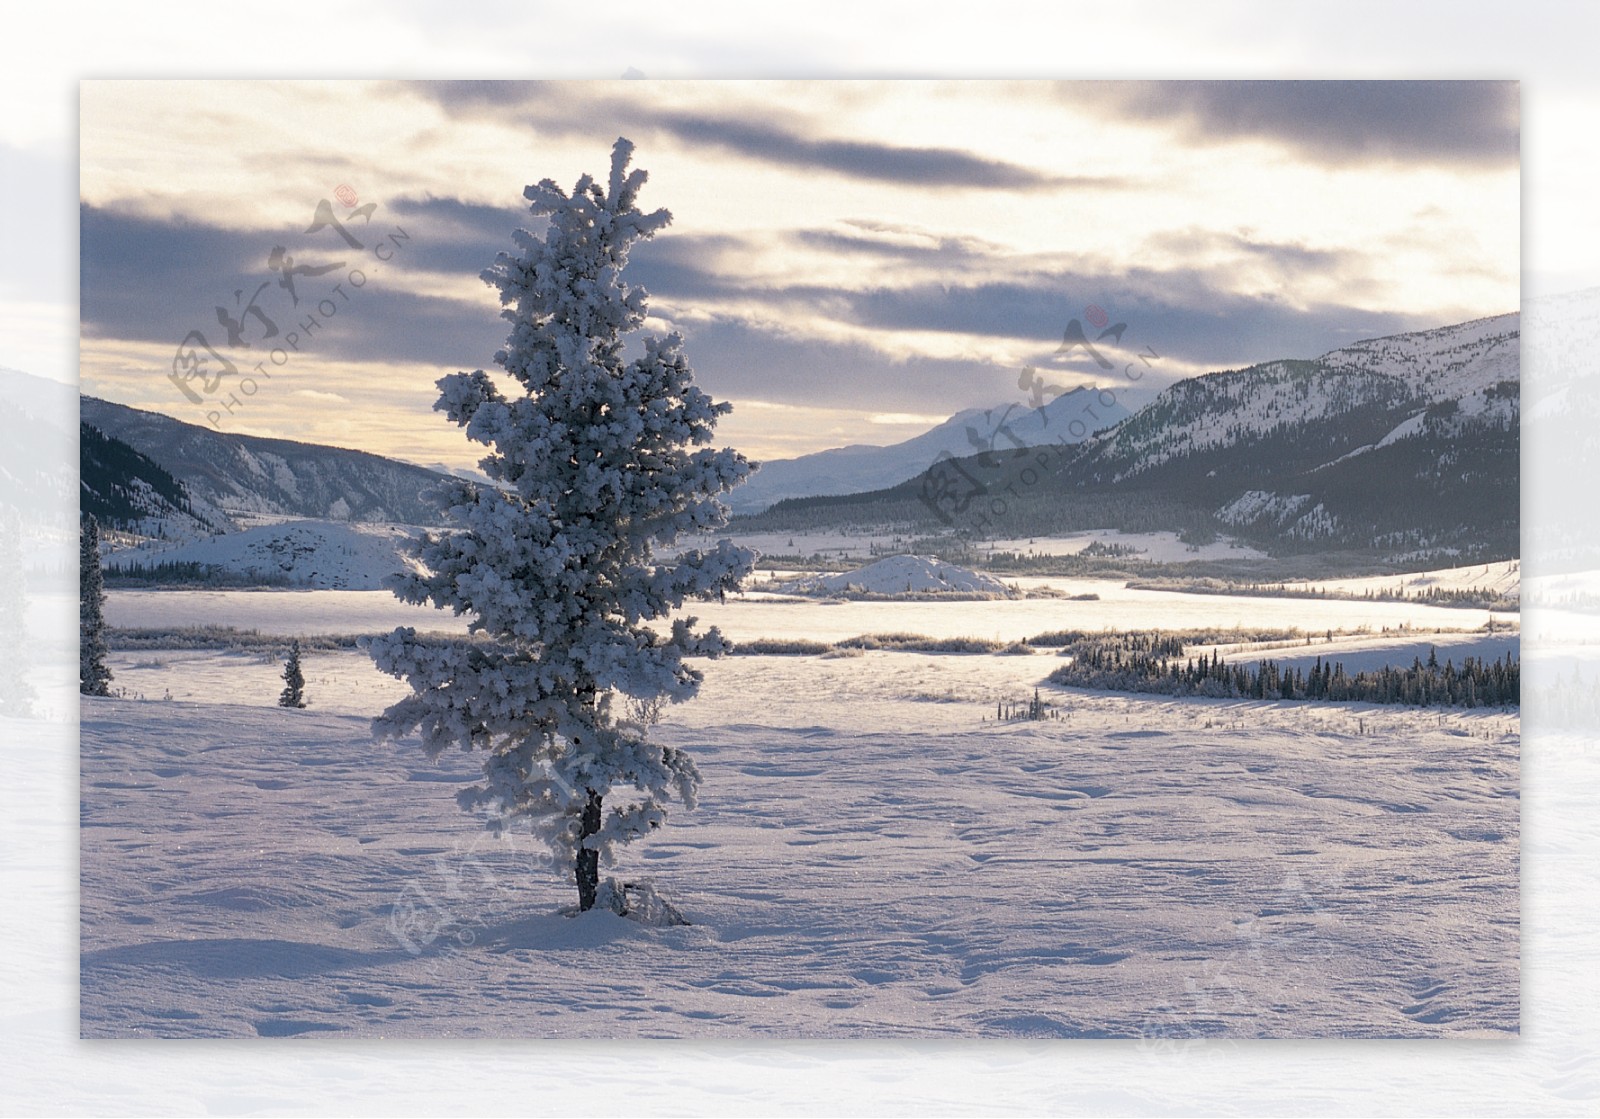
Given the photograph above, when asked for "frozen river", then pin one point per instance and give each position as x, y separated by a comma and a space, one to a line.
301, 613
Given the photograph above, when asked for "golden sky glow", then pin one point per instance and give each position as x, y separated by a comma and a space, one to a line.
904, 246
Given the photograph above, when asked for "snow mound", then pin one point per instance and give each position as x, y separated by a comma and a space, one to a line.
898, 575
638, 901
321, 554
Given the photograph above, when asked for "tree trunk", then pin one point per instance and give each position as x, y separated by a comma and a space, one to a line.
587, 870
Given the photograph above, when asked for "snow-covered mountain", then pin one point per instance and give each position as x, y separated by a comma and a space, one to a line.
1562, 386
1407, 443
1385, 386
36, 416
1406, 446
468, 473
246, 474
859, 468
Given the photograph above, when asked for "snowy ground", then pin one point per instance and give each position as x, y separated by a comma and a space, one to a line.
1153, 546
1369, 653
322, 554
346, 682
902, 574
1115, 607
1504, 577
873, 854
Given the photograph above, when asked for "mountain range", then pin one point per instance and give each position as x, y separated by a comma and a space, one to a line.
226, 476
1069, 418
1405, 446
35, 474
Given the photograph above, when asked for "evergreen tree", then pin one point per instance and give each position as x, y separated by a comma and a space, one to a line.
94, 678
16, 694
594, 460
294, 681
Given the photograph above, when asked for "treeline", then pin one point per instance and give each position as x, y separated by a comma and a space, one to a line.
229, 639
1570, 704
1106, 663
116, 481
224, 638
877, 642
1155, 642
189, 573
1479, 598
997, 503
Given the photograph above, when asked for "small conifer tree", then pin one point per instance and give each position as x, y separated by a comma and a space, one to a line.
294, 681
16, 693
94, 678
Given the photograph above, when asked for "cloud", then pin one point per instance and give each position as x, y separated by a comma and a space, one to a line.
155, 280
922, 167
1217, 299
860, 342
456, 236
911, 419
905, 245
1471, 123
566, 109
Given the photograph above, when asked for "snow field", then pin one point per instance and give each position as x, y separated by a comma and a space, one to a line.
1504, 577
321, 554
1370, 653
305, 613
1157, 546
873, 854
865, 861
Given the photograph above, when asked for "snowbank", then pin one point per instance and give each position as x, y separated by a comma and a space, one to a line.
321, 554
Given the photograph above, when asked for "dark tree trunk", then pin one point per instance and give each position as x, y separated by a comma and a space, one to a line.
587, 870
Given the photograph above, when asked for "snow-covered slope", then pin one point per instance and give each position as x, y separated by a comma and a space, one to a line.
1407, 444
36, 416
246, 474
1465, 370
1069, 418
1563, 389
133, 497
320, 554
1404, 448
1464, 363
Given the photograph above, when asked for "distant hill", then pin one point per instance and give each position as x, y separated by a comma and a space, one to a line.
36, 415
1405, 447
246, 474
858, 468
316, 554
1563, 411
128, 491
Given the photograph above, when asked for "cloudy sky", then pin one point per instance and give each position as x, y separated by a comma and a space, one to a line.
848, 261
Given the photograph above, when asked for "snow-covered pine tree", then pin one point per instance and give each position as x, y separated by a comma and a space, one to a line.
94, 678
16, 694
294, 681
595, 463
